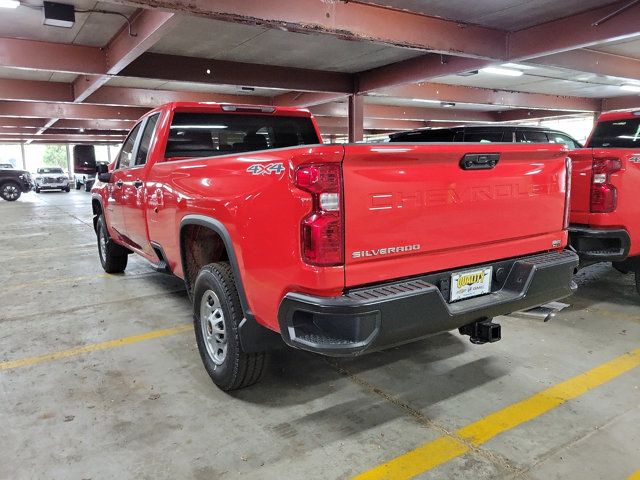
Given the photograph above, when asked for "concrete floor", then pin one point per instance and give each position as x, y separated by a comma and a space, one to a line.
149, 410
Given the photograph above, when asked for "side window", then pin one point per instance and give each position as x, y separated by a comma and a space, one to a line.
125, 159
145, 141
535, 137
559, 138
483, 137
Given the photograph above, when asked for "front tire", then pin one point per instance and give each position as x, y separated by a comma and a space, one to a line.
112, 256
10, 191
37, 189
217, 314
68, 188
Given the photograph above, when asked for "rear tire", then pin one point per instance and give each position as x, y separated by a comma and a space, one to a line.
112, 256
10, 191
217, 314
87, 186
78, 185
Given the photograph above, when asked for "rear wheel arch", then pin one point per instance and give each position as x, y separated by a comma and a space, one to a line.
96, 206
195, 228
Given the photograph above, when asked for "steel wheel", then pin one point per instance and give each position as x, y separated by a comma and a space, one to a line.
213, 327
10, 192
103, 245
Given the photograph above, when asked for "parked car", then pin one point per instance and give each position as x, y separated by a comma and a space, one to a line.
335, 249
605, 211
51, 178
14, 183
487, 134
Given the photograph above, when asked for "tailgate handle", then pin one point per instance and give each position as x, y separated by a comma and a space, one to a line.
479, 161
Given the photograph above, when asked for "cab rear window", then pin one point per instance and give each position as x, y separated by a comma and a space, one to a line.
210, 134
617, 134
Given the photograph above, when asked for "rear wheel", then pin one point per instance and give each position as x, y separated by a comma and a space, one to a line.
10, 191
87, 186
217, 314
78, 185
112, 256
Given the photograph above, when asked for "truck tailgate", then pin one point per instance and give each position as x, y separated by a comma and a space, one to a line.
411, 209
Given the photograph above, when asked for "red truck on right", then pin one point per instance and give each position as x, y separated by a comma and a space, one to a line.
605, 196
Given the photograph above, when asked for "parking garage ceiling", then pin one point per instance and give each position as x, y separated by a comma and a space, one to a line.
416, 63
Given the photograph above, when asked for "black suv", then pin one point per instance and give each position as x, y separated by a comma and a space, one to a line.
13, 182
488, 134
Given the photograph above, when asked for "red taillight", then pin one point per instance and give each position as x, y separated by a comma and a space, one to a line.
321, 230
567, 194
604, 195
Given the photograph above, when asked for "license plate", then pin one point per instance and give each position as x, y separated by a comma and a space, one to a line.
470, 283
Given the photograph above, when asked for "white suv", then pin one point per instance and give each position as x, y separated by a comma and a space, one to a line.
51, 178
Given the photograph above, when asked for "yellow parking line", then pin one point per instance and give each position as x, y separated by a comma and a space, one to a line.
448, 447
92, 347
634, 476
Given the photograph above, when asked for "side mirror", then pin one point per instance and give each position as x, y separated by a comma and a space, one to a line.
103, 173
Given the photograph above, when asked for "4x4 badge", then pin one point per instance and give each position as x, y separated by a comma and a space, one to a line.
260, 169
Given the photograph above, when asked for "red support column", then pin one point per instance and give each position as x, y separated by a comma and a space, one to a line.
356, 118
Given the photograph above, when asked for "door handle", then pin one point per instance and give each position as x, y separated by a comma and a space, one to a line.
479, 161
137, 183
119, 184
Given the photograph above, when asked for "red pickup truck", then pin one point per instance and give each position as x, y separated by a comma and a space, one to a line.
335, 249
605, 210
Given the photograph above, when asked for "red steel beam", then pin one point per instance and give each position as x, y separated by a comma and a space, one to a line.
349, 21
153, 98
416, 70
404, 113
65, 138
62, 131
222, 72
69, 110
630, 102
576, 31
149, 26
601, 63
306, 99
11, 122
455, 93
369, 124
523, 114
96, 124
356, 117
53, 57
31, 90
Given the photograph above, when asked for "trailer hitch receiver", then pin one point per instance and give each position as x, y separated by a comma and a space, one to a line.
482, 331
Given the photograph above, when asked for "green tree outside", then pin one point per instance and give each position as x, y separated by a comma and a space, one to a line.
55, 156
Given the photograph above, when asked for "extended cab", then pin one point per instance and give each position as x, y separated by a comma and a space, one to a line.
605, 211
335, 249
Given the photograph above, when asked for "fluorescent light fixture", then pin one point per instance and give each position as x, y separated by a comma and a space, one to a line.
9, 3
630, 88
509, 72
447, 104
424, 100
517, 66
